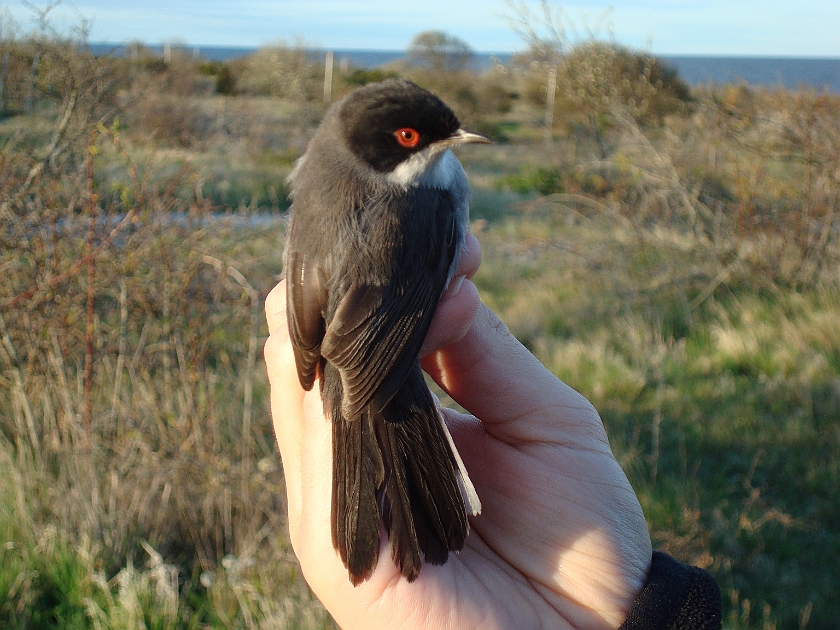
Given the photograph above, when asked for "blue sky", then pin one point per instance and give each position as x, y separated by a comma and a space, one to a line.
715, 27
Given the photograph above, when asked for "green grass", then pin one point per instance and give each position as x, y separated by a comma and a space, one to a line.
729, 432
681, 283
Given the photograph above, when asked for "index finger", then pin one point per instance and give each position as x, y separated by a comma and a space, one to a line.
499, 381
275, 307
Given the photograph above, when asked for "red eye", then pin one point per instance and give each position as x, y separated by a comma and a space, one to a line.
407, 137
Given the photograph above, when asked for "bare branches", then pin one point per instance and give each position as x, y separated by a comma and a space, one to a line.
549, 32
43, 287
543, 31
53, 149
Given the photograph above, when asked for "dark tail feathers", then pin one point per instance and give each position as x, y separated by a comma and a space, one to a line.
397, 465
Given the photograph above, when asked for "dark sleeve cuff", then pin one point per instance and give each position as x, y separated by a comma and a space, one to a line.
676, 597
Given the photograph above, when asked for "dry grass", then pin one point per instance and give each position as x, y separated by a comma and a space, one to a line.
682, 275
688, 285
134, 421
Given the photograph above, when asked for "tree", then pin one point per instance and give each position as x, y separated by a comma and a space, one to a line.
439, 51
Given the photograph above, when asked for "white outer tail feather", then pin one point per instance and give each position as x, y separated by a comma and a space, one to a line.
465, 484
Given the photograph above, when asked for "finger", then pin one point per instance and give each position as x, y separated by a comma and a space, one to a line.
304, 438
459, 303
301, 431
286, 392
498, 380
453, 317
275, 306
470, 256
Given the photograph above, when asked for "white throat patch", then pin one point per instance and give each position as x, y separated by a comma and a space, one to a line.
430, 168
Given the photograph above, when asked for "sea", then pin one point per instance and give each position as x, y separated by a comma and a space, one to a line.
810, 73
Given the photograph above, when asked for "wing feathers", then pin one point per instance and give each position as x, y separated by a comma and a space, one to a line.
364, 320
303, 303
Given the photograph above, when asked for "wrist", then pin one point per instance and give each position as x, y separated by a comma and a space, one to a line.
676, 595
606, 577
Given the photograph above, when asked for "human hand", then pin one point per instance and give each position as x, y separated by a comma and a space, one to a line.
561, 541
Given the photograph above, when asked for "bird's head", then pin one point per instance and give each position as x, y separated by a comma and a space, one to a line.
396, 124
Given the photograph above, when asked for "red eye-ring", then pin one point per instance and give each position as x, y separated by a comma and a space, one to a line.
407, 137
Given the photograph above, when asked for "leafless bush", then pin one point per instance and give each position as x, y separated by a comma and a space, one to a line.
798, 219
581, 78
170, 120
73, 87
129, 343
173, 350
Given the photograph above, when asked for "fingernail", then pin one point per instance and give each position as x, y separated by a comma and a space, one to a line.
454, 287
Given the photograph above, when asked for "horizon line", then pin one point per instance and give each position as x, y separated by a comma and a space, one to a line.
397, 51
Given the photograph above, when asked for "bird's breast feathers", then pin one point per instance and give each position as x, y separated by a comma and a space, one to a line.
427, 168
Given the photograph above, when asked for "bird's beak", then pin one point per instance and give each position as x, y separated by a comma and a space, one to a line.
462, 136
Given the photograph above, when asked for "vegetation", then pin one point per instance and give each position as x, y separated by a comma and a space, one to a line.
670, 253
440, 52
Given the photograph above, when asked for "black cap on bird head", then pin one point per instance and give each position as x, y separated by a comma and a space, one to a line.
386, 123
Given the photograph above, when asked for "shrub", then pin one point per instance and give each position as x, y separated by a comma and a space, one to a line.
280, 71
363, 76
596, 79
222, 74
439, 52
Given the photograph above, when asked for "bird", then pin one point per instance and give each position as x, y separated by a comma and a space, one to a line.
378, 220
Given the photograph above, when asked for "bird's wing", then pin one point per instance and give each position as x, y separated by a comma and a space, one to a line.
376, 331
305, 297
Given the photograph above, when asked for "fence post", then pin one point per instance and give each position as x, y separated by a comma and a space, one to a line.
550, 88
32, 74
328, 72
3, 80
